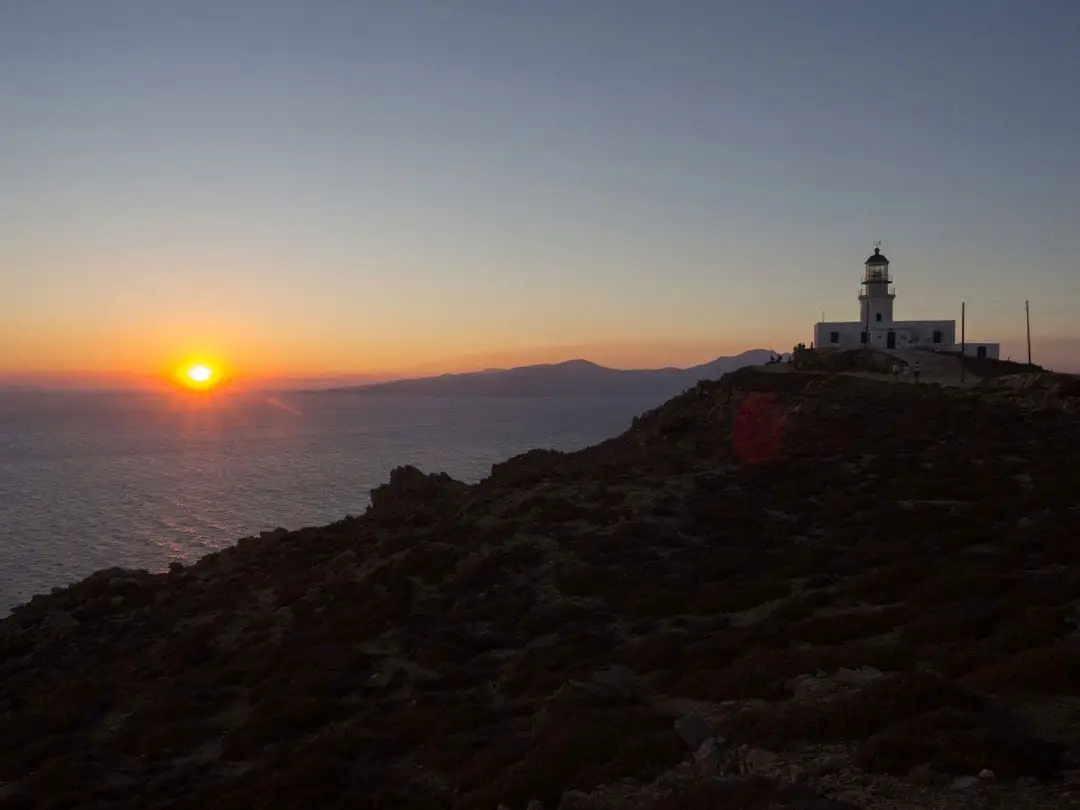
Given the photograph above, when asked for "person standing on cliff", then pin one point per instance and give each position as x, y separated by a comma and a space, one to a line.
915, 370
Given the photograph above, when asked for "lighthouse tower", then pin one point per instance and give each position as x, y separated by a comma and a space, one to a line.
876, 296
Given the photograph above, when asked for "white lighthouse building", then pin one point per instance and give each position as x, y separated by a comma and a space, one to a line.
877, 327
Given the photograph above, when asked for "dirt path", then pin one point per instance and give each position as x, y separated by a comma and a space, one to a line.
937, 368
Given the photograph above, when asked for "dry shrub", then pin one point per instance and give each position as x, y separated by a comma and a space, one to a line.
1054, 669
515, 608
853, 716
631, 533
443, 653
63, 781
406, 726
950, 586
607, 497
158, 741
429, 562
645, 757
1037, 627
885, 585
329, 671
472, 759
496, 606
970, 622
485, 759
658, 650
581, 745
820, 599
800, 607
552, 510
959, 742
1049, 589
282, 717
735, 595
287, 591
755, 793
854, 624
345, 742
540, 670
24, 756
547, 618
717, 651
958, 658
719, 561
576, 579
763, 673
662, 600
819, 581
741, 681
481, 571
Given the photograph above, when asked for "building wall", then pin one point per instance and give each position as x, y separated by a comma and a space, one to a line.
993, 350
848, 333
920, 334
906, 335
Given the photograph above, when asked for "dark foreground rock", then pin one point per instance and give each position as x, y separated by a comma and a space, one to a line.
775, 591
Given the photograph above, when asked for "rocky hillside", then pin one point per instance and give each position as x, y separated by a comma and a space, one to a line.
775, 591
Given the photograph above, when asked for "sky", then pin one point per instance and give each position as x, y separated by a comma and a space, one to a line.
338, 187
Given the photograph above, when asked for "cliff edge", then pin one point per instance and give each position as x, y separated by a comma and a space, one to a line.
776, 590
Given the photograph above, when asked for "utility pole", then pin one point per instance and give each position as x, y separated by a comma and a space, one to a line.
1027, 318
963, 340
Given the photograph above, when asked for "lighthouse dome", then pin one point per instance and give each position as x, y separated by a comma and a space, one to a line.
877, 259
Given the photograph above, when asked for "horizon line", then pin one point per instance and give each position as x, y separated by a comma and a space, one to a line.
99, 380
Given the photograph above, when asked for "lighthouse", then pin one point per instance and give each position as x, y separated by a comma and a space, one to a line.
876, 296
878, 328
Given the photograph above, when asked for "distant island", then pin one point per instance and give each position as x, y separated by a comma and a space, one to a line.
570, 378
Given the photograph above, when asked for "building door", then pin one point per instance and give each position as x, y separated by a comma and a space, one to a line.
980, 352
890, 340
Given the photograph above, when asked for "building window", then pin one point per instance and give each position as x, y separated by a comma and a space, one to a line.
834, 337
864, 337
937, 336
877, 317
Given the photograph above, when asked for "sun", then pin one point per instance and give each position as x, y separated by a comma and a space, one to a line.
200, 373
199, 376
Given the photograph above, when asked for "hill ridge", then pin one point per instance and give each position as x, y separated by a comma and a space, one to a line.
567, 377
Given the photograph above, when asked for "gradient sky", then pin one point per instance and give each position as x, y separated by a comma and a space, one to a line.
315, 186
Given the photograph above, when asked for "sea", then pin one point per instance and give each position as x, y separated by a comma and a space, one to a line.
95, 480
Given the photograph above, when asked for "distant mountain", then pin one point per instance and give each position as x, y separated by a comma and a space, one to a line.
571, 378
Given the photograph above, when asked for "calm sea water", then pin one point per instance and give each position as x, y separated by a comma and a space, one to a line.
89, 481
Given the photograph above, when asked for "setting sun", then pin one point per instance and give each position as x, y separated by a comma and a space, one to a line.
199, 376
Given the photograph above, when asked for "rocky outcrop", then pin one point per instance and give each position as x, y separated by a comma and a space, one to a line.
845, 360
776, 590
1038, 391
410, 490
